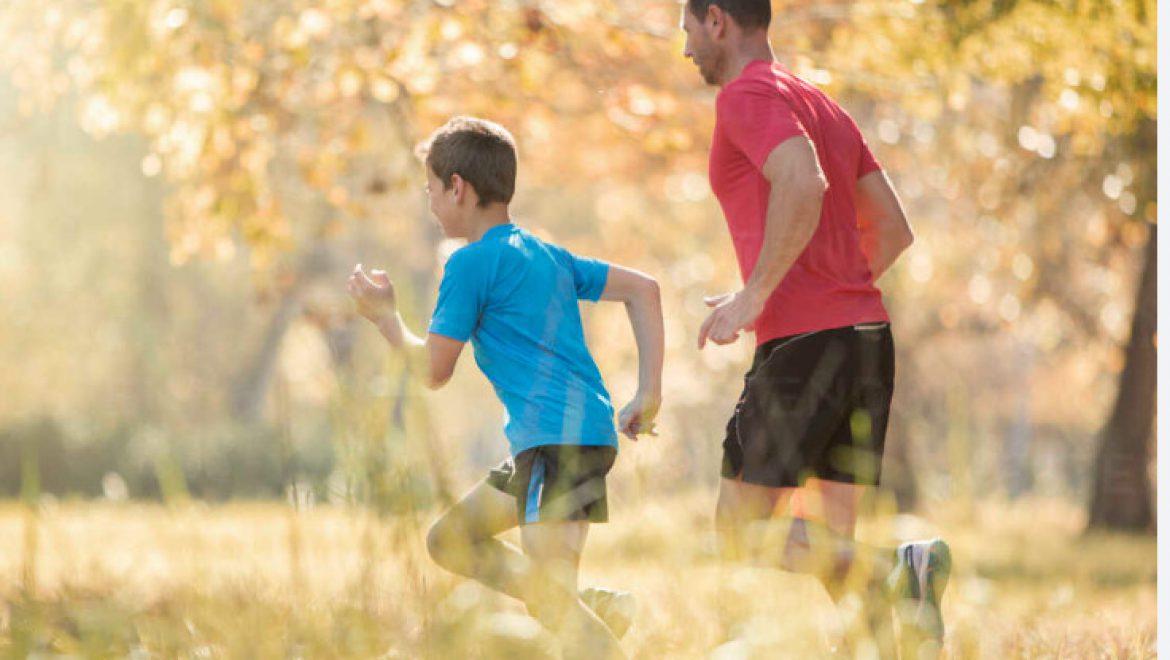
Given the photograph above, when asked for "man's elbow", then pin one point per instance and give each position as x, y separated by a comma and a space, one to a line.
809, 189
819, 185
904, 235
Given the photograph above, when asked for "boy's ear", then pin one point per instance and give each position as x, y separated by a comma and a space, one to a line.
463, 190
459, 186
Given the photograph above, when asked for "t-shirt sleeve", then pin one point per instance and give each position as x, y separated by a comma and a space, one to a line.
461, 298
755, 121
589, 276
867, 162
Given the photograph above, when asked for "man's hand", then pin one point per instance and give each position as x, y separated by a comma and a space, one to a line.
373, 293
638, 416
733, 313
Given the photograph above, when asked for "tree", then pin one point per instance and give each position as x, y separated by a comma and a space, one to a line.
1122, 497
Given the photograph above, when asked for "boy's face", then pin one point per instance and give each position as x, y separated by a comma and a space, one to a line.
444, 206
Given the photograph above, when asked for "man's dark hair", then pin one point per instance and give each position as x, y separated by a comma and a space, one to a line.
482, 152
748, 14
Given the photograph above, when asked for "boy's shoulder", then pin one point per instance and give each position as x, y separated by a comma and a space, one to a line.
482, 256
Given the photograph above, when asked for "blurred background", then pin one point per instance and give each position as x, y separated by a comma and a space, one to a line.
187, 184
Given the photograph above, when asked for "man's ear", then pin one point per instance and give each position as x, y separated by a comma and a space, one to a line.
716, 19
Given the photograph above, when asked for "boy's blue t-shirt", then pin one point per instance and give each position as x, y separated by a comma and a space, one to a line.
515, 297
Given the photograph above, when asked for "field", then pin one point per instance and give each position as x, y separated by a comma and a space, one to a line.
257, 580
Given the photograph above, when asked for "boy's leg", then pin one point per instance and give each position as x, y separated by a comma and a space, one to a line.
463, 541
551, 591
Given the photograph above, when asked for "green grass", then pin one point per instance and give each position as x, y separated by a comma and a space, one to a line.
258, 581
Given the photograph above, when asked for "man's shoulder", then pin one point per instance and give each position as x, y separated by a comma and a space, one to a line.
751, 90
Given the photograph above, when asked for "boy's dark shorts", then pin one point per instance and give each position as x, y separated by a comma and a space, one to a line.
814, 405
557, 482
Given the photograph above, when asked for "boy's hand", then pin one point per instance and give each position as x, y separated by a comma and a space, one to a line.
373, 293
638, 416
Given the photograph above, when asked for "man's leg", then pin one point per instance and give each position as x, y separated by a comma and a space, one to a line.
551, 590
824, 536
742, 516
750, 530
912, 578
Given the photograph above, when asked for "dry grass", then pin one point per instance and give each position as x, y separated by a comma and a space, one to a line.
258, 581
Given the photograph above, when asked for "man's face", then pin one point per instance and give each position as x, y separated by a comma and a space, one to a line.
700, 47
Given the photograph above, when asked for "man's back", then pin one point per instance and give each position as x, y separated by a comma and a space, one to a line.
516, 298
830, 285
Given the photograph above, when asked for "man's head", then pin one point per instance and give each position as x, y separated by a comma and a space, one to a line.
715, 27
468, 160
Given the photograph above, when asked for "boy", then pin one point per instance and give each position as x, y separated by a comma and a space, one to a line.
515, 297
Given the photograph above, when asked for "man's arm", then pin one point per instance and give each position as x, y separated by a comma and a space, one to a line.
435, 356
885, 232
644, 305
794, 210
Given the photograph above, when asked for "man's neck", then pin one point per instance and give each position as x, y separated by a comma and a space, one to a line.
482, 220
753, 48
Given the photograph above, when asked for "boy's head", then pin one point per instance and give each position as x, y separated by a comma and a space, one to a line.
469, 152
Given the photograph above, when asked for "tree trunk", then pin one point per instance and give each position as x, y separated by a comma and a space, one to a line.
1121, 492
251, 388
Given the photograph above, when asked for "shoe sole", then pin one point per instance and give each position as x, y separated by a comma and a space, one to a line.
933, 579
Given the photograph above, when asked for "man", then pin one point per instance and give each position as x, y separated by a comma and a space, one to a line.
814, 222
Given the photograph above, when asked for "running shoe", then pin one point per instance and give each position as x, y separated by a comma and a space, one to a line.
615, 608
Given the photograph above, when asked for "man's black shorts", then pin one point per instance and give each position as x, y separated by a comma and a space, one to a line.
814, 405
557, 482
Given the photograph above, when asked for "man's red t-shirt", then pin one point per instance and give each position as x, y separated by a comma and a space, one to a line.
830, 285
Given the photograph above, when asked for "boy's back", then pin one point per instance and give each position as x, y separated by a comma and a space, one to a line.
516, 298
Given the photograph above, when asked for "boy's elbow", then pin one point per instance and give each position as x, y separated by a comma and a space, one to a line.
651, 289
437, 379
647, 293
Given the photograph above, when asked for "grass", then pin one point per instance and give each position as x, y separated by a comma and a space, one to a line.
260, 581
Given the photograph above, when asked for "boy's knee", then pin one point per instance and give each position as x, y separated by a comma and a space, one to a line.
440, 539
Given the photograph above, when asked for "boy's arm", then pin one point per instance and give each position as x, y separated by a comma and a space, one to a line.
885, 232
644, 305
435, 356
